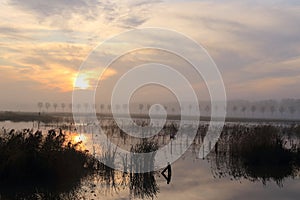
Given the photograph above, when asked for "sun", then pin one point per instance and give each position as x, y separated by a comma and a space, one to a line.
81, 82
79, 138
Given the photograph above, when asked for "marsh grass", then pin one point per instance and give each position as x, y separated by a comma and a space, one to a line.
256, 154
31, 162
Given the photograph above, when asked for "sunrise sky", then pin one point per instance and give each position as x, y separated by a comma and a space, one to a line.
255, 44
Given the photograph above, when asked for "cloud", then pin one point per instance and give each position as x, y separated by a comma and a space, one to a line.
249, 41
255, 44
118, 12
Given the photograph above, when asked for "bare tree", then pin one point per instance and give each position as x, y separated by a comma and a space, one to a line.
102, 108
125, 106
173, 111
253, 109
148, 107
292, 110
244, 108
281, 110
118, 108
78, 106
234, 109
190, 108
207, 109
55, 106
141, 106
86, 107
272, 109
63, 105
47, 105
109, 107
40, 106
263, 110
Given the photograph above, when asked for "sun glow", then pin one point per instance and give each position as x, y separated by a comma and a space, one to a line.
79, 138
81, 82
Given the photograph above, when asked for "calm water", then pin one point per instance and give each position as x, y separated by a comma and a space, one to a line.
192, 178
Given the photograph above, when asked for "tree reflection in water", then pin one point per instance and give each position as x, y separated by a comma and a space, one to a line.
260, 153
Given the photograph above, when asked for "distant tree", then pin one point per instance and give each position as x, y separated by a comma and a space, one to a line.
148, 107
253, 109
141, 106
272, 109
298, 105
263, 110
118, 107
173, 110
234, 109
281, 110
207, 109
63, 105
40, 106
216, 107
102, 107
190, 108
125, 106
166, 107
70, 106
47, 105
157, 108
78, 106
86, 106
243, 109
292, 110
55, 106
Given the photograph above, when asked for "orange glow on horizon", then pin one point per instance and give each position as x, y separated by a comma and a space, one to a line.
81, 82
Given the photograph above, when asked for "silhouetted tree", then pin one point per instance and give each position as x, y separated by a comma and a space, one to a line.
70, 106
63, 105
157, 108
55, 106
292, 110
173, 110
234, 109
125, 106
86, 106
281, 110
118, 108
253, 109
272, 109
78, 106
244, 108
263, 110
207, 109
102, 108
141, 106
166, 108
190, 108
47, 105
40, 106
148, 107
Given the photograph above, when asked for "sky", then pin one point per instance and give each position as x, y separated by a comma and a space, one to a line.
255, 44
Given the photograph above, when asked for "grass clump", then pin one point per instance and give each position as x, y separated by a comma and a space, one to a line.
31, 161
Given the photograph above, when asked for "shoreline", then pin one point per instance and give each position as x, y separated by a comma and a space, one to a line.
55, 117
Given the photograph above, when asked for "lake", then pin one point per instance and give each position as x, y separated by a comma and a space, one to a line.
251, 161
